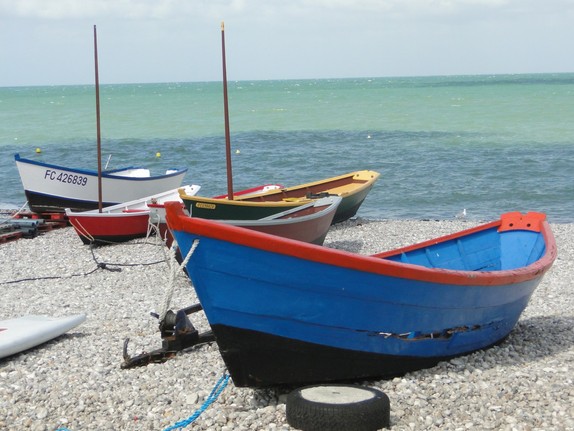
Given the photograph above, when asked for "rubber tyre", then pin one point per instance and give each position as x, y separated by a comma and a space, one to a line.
338, 408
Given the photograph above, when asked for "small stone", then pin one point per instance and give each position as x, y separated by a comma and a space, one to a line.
42, 413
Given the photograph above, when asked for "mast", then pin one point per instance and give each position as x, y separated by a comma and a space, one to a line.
226, 114
99, 138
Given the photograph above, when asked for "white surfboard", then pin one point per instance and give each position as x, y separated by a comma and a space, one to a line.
22, 333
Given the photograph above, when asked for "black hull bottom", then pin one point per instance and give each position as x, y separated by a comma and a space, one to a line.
347, 214
41, 203
256, 359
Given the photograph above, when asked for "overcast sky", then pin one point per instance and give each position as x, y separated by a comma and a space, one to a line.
45, 42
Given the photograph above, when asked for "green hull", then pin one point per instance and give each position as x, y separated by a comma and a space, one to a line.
222, 209
350, 205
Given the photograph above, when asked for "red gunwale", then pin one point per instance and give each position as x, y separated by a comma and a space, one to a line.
177, 220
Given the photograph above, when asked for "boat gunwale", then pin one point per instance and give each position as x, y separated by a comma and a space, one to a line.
96, 214
237, 202
140, 204
177, 220
112, 173
370, 178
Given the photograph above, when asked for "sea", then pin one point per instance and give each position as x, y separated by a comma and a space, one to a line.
487, 144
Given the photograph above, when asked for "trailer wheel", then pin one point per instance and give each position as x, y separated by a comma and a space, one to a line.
338, 407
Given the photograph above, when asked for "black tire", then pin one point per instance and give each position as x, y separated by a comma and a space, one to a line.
338, 408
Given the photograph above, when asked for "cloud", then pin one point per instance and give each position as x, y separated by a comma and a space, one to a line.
172, 40
80, 9
161, 9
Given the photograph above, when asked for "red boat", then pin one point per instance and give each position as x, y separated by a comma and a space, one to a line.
122, 222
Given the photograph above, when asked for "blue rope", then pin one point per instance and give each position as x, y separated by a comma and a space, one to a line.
217, 389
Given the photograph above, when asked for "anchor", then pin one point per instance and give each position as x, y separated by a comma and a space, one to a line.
177, 333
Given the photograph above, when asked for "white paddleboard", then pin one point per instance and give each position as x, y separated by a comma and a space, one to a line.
22, 333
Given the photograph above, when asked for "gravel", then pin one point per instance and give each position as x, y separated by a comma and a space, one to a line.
75, 382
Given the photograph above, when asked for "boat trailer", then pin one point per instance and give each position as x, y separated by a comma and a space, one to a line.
177, 334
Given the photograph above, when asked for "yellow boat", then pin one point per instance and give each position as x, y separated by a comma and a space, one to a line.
352, 188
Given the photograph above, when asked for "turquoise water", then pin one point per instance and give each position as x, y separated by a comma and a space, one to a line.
489, 144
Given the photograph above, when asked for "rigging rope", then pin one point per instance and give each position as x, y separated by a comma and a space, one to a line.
174, 269
82, 230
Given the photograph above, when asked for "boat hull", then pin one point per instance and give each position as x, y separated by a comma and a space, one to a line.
102, 228
222, 209
260, 359
308, 223
52, 188
312, 232
350, 204
125, 221
353, 188
363, 316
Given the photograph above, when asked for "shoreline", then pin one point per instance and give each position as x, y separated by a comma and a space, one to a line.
76, 382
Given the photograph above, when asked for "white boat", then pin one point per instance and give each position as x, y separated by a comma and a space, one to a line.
53, 188
122, 222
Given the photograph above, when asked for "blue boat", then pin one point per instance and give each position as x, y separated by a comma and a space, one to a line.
287, 312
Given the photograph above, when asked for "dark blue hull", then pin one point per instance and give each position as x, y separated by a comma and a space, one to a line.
42, 203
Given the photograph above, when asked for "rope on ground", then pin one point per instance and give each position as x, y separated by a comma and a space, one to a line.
104, 265
50, 278
99, 265
217, 389
214, 394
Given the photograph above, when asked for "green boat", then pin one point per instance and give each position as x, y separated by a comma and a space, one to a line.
353, 188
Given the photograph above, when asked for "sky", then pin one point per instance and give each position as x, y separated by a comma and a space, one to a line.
50, 42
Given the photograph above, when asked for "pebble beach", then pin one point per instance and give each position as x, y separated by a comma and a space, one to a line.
76, 382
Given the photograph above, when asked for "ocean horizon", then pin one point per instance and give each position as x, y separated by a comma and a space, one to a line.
485, 143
